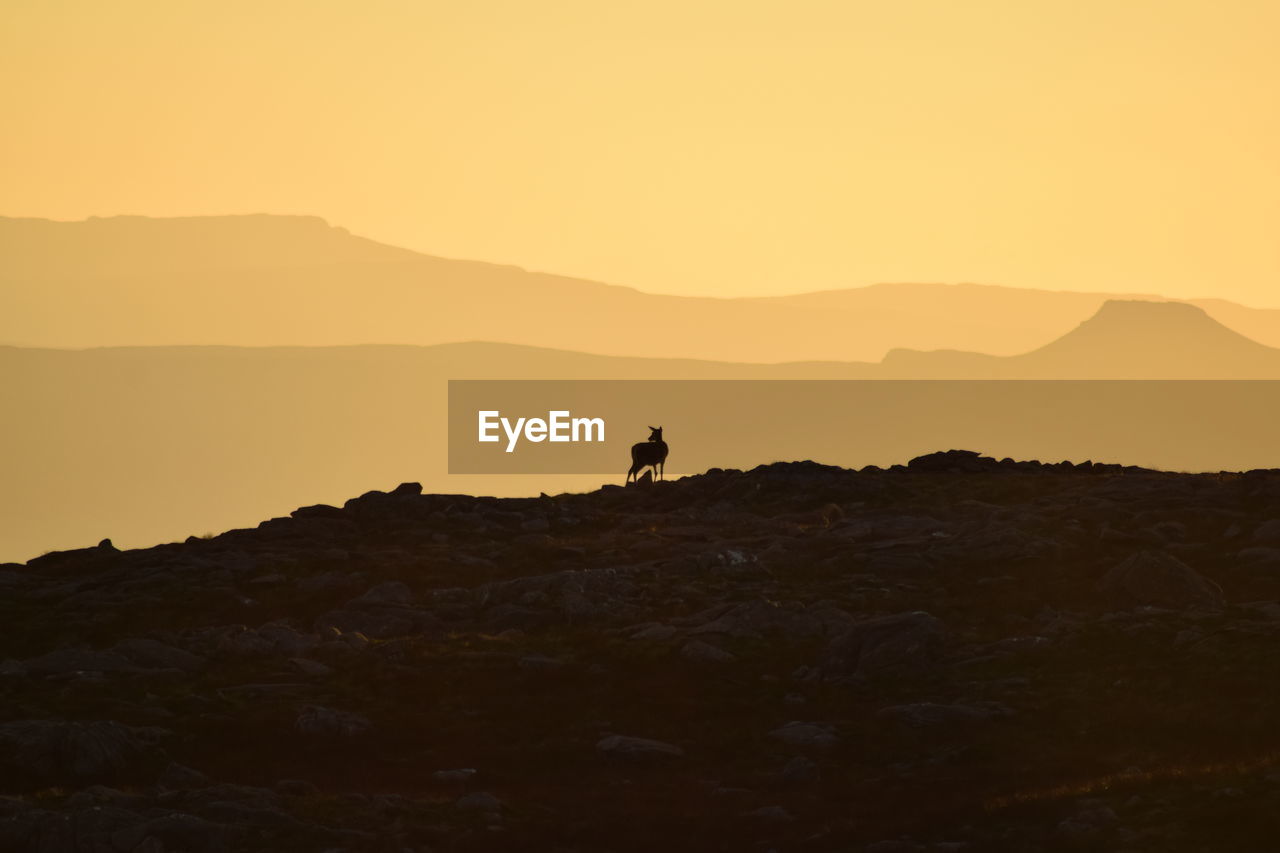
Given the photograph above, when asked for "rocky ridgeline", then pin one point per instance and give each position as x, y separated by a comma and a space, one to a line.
956, 654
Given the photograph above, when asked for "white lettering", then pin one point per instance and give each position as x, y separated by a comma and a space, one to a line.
560, 426
587, 424
512, 434
488, 423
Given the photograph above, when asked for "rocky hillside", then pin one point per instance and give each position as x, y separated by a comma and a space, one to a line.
958, 654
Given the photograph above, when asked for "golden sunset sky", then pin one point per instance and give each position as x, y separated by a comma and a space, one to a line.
719, 148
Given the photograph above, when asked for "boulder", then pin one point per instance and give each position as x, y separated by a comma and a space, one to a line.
480, 801
700, 652
797, 733
801, 770
178, 831
1158, 579
1268, 532
66, 661
890, 645
318, 721
306, 666
654, 632
759, 618
154, 654
61, 753
637, 749
929, 714
954, 462
179, 777
774, 814
391, 592
383, 612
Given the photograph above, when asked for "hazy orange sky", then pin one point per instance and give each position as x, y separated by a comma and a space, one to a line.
721, 148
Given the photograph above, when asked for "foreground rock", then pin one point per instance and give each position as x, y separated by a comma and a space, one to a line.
957, 654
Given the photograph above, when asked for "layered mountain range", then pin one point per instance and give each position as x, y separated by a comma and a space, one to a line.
148, 442
285, 280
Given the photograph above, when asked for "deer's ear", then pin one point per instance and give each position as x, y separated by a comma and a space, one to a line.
655, 427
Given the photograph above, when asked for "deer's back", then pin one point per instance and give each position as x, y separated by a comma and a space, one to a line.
649, 451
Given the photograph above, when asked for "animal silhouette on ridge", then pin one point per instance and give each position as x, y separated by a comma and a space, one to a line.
648, 454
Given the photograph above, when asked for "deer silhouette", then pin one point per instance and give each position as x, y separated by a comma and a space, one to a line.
648, 454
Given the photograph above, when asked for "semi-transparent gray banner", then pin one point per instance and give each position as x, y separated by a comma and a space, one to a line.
589, 426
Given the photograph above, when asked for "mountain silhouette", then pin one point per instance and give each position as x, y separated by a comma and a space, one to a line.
264, 280
185, 436
1125, 339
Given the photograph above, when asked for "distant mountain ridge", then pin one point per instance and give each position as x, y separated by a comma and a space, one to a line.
1125, 339
180, 436
265, 280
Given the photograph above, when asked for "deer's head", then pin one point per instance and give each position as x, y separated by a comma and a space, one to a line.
655, 433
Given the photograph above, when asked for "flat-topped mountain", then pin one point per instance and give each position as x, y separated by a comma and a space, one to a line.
958, 653
119, 248
289, 280
1125, 339
1155, 339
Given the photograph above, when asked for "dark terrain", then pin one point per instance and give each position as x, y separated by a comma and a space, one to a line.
958, 654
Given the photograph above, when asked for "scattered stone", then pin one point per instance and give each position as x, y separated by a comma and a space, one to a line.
391, 592
311, 667
179, 777
1088, 821
154, 654
655, 633
700, 652
774, 814
1158, 579
58, 753
637, 749
927, 714
480, 801
801, 770
890, 645
540, 663
318, 721
68, 661
1268, 532
296, 788
796, 733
